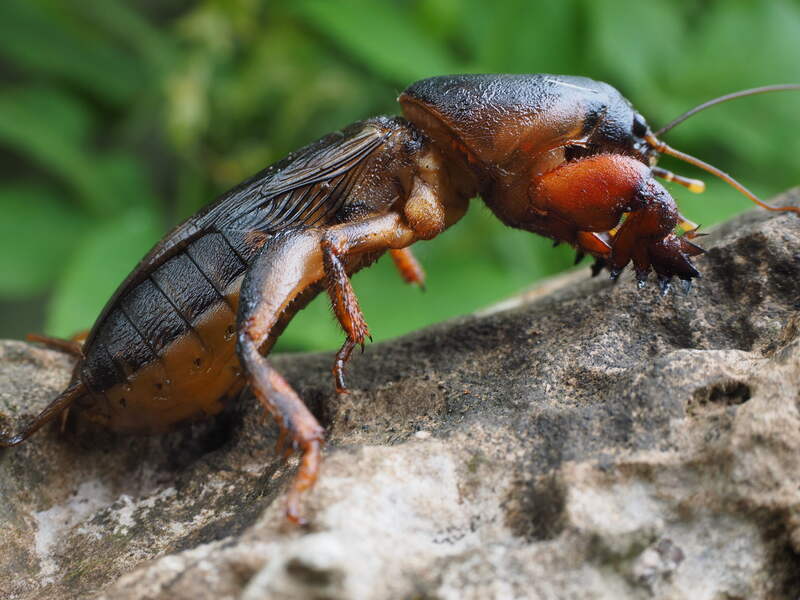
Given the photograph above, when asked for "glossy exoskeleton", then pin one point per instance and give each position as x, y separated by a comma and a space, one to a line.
565, 157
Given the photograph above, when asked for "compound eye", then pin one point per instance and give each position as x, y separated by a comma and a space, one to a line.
639, 126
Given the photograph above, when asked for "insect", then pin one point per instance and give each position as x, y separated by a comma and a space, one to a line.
564, 157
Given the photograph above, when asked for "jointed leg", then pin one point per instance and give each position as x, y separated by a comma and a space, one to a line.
72, 346
294, 420
592, 194
345, 306
646, 238
57, 407
285, 268
372, 235
409, 267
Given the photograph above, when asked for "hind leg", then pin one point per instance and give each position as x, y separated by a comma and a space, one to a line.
285, 268
73, 346
57, 407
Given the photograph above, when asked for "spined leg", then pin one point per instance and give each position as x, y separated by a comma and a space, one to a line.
646, 238
285, 267
348, 312
371, 235
593, 193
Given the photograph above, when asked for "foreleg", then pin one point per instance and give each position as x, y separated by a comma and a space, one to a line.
646, 238
592, 194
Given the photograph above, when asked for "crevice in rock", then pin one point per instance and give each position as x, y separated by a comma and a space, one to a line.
535, 509
718, 396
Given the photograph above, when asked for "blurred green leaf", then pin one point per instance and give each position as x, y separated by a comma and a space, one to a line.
121, 22
51, 128
519, 36
37, 230
104, 257
631, 42
42, 37
124, 183
30, 116
381, 37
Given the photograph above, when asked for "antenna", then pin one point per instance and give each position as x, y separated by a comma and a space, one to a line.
660, 146
740, 94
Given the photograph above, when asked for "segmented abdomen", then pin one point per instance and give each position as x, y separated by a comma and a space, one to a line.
167, 343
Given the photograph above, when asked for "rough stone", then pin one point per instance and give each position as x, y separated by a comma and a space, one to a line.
583, 440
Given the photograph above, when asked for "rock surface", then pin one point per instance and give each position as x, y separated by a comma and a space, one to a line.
593, 441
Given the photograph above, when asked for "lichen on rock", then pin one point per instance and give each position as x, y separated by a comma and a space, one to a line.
590, 440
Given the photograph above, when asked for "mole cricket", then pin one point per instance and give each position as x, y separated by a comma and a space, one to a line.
564, 157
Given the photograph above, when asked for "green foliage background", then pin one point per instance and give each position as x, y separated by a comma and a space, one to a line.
118, 119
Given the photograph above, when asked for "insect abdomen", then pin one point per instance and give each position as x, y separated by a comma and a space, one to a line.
165, 350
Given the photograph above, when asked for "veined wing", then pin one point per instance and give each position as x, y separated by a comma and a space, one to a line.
302, 189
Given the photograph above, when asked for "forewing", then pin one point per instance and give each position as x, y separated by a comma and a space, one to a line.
301, 190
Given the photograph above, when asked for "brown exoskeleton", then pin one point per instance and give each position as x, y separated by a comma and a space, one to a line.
565, 157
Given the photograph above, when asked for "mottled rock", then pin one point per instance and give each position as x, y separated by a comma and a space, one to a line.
586, 441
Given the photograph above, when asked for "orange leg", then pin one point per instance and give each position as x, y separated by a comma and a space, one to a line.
593, 193
72, 346
372, 235
276, 280
646, 238
410, 269
593, 243
345, 306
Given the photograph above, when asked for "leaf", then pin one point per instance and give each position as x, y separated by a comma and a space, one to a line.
103, 259
520, 37
45, 112
38, 229
381, 37
124, 183
43, 39
51, 128
121, 22
631, 41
